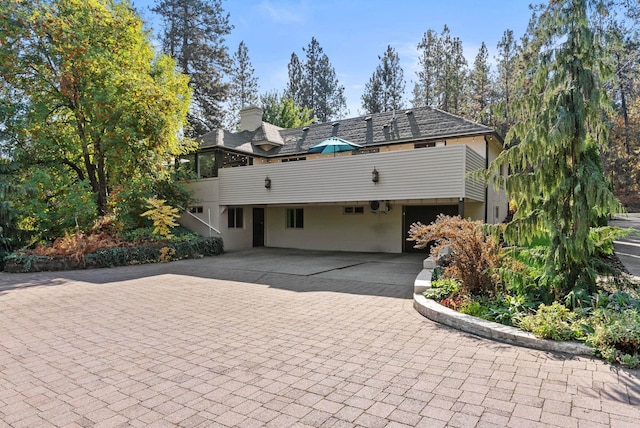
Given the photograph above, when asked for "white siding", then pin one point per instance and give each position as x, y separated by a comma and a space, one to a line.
496, 197
437, 172
206, 192
474, 188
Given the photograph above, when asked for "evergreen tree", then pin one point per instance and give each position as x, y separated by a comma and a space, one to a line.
314, 84
10, 190
424, 91
506, 81
556, 179
384, 90
283, 111
442, 74
480, 87
193, 34
244, 85
296, 76
372, 98
451, 80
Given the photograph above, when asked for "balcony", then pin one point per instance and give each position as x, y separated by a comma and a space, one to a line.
429, 173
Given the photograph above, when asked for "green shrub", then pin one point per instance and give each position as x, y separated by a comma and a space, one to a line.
553, 321
118, 256
442, 289
617, 301
138, 234
142, 234
631, 361
507, 309
616, 335
521, 272
474, 308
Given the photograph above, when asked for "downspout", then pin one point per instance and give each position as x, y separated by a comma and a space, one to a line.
486, 187
464, 183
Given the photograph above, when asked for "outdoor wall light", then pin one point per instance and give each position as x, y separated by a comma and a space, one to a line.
267, 183
375, 175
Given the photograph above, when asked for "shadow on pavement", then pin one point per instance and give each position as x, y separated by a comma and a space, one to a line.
389, 275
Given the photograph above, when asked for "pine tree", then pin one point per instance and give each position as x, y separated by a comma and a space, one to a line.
296, 76
556, 179
244, 85
372, 96
442, 74
314, 84
451, 80
506, 81
193, 34
480, 87
424, 91
384, 90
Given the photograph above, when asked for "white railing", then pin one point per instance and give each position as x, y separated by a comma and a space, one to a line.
202, 221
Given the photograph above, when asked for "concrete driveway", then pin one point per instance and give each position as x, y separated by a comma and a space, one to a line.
628, 248
274, 338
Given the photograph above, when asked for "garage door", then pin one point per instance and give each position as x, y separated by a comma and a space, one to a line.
425, 214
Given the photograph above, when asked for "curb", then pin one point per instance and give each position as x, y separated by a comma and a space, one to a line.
491, 330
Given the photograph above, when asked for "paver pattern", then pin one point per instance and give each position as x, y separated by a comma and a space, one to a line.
196, 344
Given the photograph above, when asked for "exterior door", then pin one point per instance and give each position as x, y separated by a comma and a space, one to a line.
258, 227
424, 214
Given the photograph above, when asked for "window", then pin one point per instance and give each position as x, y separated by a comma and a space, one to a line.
430, 144
354, 210
207, 165
187, 163
203, 165
366, 150
300, 158
497, 213
196, 210
423, 145
235, 216
295, 218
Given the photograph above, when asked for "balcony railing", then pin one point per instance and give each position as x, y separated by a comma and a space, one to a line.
438, 172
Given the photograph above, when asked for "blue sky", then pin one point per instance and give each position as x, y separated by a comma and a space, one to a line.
353, 33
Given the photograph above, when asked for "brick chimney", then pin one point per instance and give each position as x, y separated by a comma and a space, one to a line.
250, 118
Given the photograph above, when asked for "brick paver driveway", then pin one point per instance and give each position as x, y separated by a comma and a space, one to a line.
210, 343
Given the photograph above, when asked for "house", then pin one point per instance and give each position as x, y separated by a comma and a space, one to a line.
261, 186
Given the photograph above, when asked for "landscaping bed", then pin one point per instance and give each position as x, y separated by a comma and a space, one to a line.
103, 247
508, 285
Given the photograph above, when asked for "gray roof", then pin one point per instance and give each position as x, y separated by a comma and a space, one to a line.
415, 124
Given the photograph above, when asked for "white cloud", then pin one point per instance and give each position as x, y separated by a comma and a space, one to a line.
289, 12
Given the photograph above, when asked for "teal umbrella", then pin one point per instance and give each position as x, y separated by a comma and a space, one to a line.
333, 145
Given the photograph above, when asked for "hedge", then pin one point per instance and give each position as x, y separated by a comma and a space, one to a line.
117, 256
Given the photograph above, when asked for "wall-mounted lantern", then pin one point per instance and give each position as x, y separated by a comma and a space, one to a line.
375, 175
267, 183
